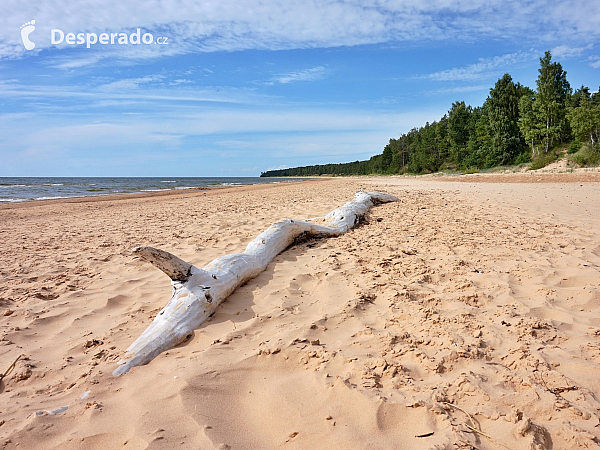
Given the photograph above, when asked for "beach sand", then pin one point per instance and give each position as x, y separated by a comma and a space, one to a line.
465, 316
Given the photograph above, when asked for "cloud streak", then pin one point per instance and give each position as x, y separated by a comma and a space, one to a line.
565, 51
460, 89
485, 68
595, 62
227, 25
312, 74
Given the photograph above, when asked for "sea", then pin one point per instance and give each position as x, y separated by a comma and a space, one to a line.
23, 189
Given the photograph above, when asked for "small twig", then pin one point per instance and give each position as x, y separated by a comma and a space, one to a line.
413, 217
460, 409
499, 364
12, 366
473, 422
557, 390
424, 435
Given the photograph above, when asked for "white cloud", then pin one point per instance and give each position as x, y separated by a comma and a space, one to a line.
595, 62
125, 84
193, 25
68, 63
485, 68
565, 51
280, 167
179, 81
125, 91
312, 74
460, 89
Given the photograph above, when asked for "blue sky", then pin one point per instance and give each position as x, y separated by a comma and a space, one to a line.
245, 86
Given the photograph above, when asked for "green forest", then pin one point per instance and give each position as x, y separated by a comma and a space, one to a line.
515, 125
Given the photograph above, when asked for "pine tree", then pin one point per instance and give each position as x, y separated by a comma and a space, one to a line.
596, 97
585, 121
480, 153
579, 94
459, 131
529, 125
441, 138
503, 112
553, 92
386, 158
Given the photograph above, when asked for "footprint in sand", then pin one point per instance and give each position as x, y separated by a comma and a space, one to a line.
26, 30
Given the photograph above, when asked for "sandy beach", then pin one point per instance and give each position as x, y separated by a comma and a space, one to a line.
465, 316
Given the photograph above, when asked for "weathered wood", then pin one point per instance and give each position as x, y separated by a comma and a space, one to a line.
175, 268
198, 292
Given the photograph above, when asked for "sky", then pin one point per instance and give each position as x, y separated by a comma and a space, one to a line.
234, 88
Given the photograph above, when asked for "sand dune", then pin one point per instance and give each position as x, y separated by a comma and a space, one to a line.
465, 306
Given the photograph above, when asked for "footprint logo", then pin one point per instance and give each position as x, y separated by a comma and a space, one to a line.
26, 30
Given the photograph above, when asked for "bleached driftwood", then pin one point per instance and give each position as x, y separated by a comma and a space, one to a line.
198, 292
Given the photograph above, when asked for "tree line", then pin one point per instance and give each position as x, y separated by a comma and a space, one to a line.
514, 125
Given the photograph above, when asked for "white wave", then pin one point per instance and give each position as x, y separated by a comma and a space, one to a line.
49, 198
12, 200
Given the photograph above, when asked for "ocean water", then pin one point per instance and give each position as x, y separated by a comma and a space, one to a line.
21, 189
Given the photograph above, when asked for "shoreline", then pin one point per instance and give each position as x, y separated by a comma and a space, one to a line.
173, 193
581, 176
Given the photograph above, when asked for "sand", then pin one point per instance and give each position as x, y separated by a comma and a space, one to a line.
465, 316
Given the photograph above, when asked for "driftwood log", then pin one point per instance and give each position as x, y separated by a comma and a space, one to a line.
198, 292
